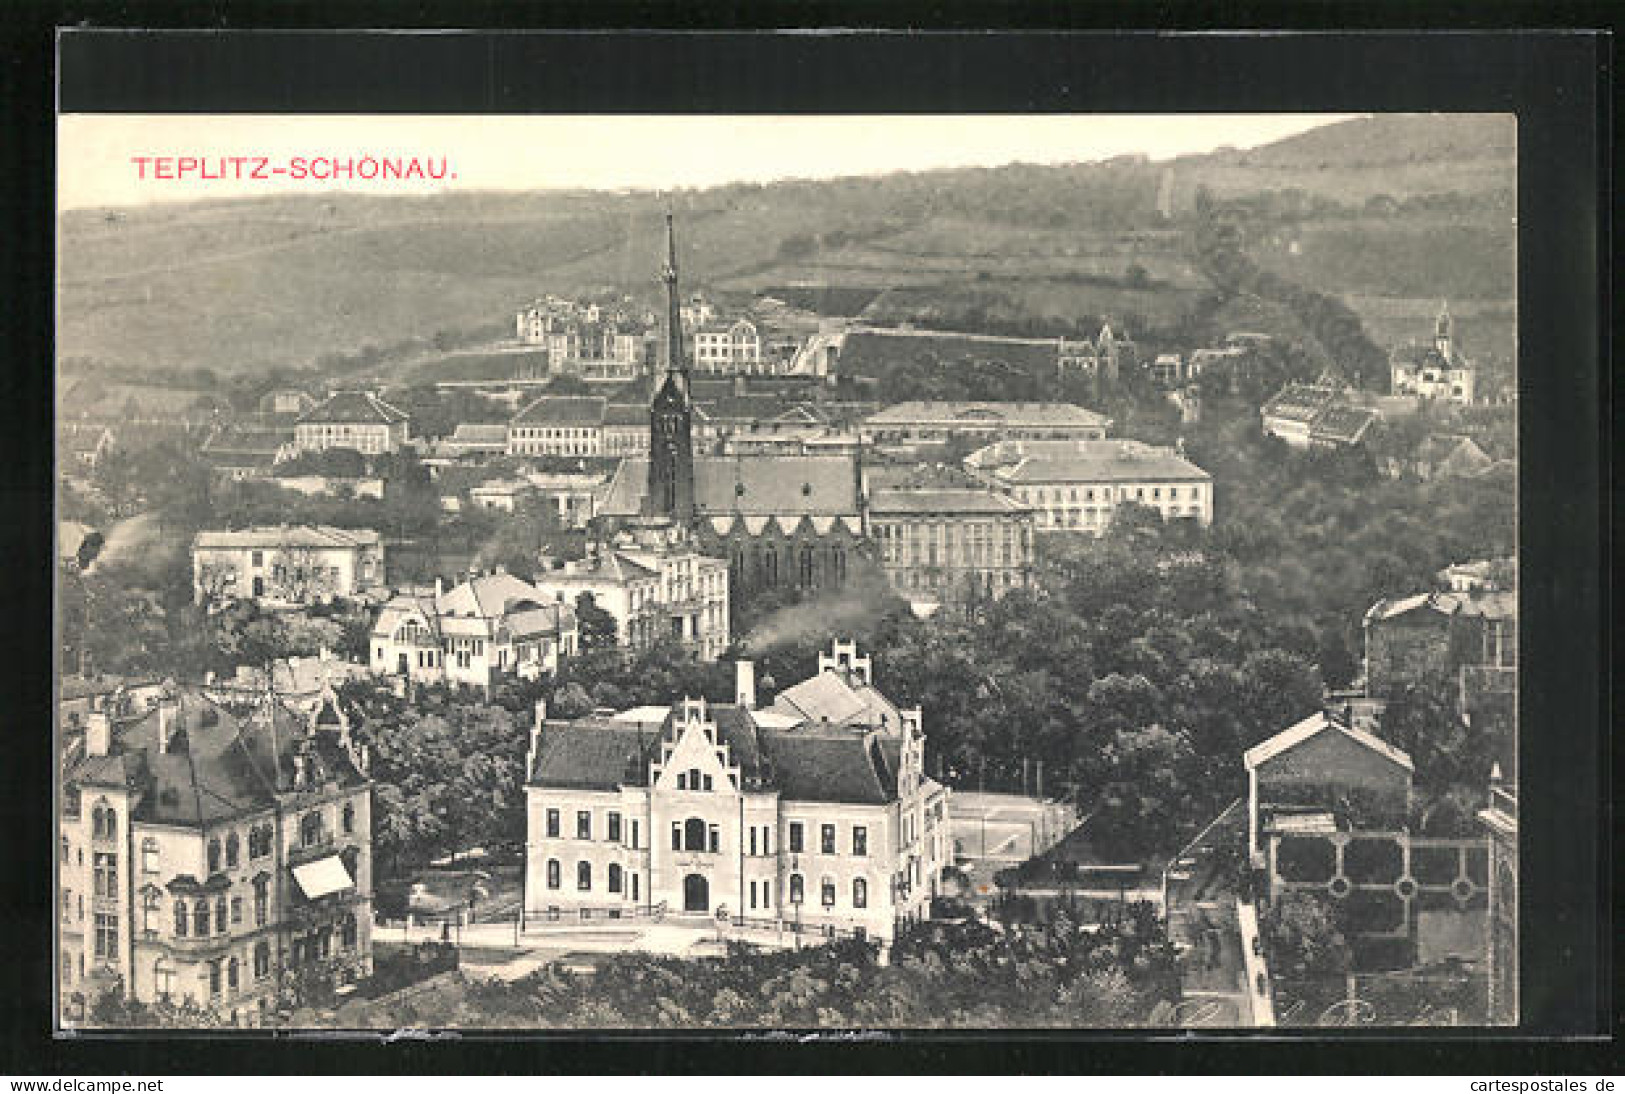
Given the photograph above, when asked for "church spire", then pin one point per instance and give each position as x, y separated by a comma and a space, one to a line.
671, 445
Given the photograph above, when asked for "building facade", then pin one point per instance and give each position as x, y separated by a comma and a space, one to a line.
657, 587
950, 544
352, 419
215, 849
1410, 639
728, 348
558, 425
489, 626
296, 564
812, 817
1437, 371
1077, 487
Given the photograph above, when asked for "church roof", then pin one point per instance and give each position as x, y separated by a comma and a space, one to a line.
785, 486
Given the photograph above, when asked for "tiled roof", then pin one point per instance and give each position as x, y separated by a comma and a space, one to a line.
354, 406
577, 410
749, 485
988, 414
1488, 605
489, 596
1342, 423
1313, 726
1299, 402
841, 699
298, 535
626, 414
222, 762
809, 766
592, 754
1103, 465
942, 500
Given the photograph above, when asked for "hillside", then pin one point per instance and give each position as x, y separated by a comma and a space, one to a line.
1389, 209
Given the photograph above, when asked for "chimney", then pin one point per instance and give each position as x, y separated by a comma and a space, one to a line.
541, 714
98, 734
745, 683
439, 588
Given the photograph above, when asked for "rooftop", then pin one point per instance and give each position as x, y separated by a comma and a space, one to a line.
351, 407
989, 414
289, 536
563, 410
749, 485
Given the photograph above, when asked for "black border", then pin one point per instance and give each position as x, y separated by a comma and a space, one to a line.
1558, 84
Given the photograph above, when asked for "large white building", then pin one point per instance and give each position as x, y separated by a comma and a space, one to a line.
915, 423
728, 347
658, 587
1077, 486
812, 816
215, 847
290, 564
1437, 371
352, 419
489, 626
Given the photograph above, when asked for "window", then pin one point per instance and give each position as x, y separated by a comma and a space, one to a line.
584, 876
705, 782
180, 919
614, 877
583, 825
676, 836
106, 936
614, 825
634, 886
261, 899
149, 911
348, 932
796, 837
694, 778
827, 893
715, 840
553, 823
104, 822
220, 915
753, 894
552, 873
233, 851
163, 978
682, 780
860, 840
66, 846
694, 834
236, 909
635, 835
231, 974
753, 839
826, 839
257, 558
262, 961
214, 856
860, 893
214, 978
797, 889
349, 818
310, 828
105, 866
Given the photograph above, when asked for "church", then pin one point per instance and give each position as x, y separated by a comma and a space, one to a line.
780, 521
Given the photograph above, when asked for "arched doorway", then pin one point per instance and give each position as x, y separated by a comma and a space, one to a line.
696, 894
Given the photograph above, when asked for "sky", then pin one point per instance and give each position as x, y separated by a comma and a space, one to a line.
97, 153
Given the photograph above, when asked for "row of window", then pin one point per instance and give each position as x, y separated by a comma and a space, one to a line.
695, 834
612, 833
764, 565
196, 920
615, 878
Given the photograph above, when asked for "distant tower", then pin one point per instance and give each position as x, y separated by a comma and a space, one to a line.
671, 444
1443, 328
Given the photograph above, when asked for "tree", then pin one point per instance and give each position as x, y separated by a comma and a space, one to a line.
595, 627
1304, 938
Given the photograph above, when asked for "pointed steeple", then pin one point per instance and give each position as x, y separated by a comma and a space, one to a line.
671, 446
1443, 329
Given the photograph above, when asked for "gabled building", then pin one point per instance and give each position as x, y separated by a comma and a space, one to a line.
352, 419
249, 445
727, 348
215, 847
81, 447
811, 818
656, 585
487, 627
1318, 415
1435, 371
289, 564
559, 425
1314, 776
942, 544
1077, 486
1410, 638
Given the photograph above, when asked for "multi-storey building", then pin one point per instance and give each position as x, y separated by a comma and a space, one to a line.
215, 848
917, 423
655, 584
489, 626
1100, 358
950, 544
352, 419
558, 425
1436, 371
1319, 416
728, 347
1078, 486
1441, 633
586, 339
811, 815
289, 564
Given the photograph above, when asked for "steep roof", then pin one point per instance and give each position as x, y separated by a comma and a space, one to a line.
1346, 424
1299, 402
563, 410
1484, 605
1313, 726
224, 760
351, 407
489, 596
749, 485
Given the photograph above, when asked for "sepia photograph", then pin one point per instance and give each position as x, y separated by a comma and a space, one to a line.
723, 573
